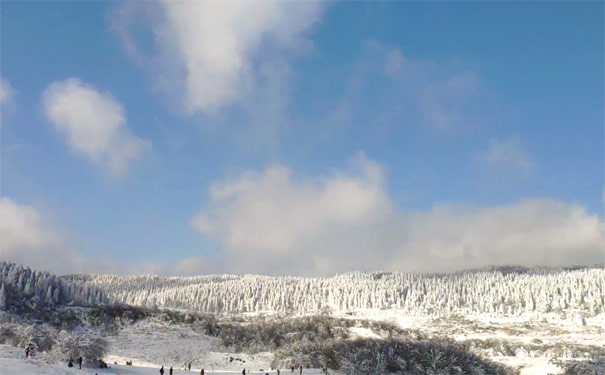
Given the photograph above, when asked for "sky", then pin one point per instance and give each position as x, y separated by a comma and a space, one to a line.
301, 138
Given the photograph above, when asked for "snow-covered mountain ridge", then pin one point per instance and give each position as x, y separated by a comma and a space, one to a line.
495, 291
502, 291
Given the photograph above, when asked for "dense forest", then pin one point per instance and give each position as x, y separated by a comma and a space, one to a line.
505, 291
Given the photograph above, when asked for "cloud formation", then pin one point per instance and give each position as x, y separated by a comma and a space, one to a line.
438, 97
278, 223
27, 238
213, 53
6, 92
508, 153
93, 123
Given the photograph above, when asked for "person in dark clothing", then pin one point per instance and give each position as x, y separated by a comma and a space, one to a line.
244, 372
277, 371
162, 370
300, 369
189, 366
202, 372
80, 362
27, 352
70, 363
170, 370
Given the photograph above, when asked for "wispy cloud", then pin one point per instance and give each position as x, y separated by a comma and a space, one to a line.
6, 93
5, 90
426, 94
93, 123
27, 237
211, 54
443, 102
508, 154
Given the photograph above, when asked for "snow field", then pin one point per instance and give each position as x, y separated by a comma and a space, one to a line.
12, 362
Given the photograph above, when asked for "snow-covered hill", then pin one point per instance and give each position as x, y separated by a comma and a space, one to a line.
505, 291
530, 320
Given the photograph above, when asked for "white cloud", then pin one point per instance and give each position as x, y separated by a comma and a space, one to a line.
508, 153
533, 232
212, 52
94, 124
278, 223
27, 238
6, 92
444, 102
248, 214
441, 98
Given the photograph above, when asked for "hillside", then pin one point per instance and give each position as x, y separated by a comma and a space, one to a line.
502, 291
493, 321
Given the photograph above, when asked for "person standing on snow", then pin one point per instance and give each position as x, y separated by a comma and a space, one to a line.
162, 370
170, 370
80, 362
300, 369
202, 372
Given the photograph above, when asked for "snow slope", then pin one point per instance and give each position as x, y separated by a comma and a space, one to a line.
12, 362
153, 342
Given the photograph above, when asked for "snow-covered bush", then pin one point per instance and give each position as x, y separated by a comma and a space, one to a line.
40, 337
584, 367
412, 357
71, 345
363, 359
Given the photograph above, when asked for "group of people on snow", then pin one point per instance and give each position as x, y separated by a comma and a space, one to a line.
203, 372
71, 362
29, 351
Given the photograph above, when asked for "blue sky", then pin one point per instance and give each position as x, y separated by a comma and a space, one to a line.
432, 126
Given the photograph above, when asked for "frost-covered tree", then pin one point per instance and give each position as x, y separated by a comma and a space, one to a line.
2, 297
71, 345
505, 291
43, 287
497, 291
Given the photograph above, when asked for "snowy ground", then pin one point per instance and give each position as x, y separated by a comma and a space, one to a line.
12, 362
536, 338
153, 343
529, 344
